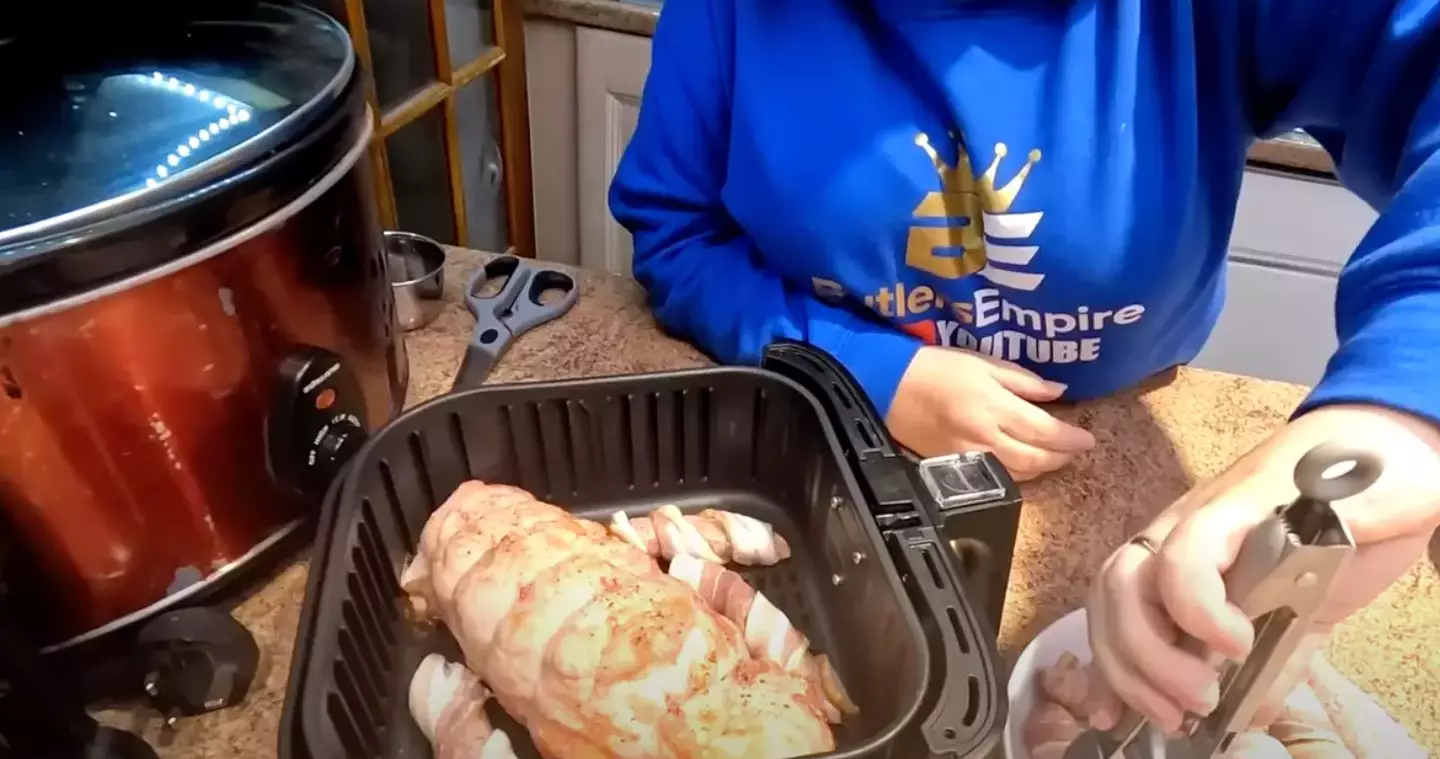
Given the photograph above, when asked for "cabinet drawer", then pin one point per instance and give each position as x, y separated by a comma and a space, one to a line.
1277, 324
1302, 223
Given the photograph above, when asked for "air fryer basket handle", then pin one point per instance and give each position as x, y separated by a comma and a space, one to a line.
851, 412
970, 702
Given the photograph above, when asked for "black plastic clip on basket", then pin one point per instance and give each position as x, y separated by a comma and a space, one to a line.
886, 555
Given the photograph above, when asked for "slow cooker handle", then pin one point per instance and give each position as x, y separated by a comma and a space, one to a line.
970, 707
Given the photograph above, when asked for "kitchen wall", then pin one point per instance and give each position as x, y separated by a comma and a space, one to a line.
1294, 229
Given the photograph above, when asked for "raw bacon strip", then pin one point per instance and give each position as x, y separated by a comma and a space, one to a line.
1050, 729
768, 632
721, 537
448, 703
1255, 744
1306, 730
1360, 721
1058, 716
1067, 683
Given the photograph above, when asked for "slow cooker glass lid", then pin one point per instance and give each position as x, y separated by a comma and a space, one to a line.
91, 134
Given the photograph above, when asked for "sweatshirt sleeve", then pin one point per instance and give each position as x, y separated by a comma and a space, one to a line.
1363, 78
705, 279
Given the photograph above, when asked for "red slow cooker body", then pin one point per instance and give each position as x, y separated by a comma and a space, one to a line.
141, 415
139, 418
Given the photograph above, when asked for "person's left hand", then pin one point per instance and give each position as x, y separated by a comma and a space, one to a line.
1140, 601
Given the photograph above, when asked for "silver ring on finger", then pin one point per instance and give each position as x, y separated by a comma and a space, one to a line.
1143, 542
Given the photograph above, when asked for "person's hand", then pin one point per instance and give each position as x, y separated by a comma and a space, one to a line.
1140, 601
953, 400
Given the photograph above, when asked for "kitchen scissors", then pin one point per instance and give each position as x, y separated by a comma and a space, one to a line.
513, 310
1282, 574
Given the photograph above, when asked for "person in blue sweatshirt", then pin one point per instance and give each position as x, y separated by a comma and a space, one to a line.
980, 206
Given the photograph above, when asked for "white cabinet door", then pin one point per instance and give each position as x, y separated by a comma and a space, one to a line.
550, 86
1277, 324
1288, 218
610, 70
1292, 236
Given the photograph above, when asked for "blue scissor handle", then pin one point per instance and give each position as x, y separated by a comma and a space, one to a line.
514, 310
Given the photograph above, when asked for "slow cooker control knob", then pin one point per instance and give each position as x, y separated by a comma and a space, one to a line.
317, 422
339, 443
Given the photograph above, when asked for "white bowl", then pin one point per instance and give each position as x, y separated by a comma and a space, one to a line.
1067, 633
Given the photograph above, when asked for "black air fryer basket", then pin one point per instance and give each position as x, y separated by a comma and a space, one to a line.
876, 579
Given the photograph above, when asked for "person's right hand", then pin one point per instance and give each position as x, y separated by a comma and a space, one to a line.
952, 400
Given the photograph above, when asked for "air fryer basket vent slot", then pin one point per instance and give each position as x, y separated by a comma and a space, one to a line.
364, 663
972, 703
422, 468
462, 447
658, 441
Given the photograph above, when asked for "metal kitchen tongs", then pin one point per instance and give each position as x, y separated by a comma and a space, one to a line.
1282, 574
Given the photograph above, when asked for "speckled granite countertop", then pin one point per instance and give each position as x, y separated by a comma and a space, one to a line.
1289, 152
1152, 444
615, 15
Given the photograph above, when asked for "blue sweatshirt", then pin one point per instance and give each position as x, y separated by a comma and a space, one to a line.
1050, 182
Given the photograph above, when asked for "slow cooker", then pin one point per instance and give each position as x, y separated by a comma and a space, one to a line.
196, 324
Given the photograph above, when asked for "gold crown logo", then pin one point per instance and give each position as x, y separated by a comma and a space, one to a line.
961, 179
962, 195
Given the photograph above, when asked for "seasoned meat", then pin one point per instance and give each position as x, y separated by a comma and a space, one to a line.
594, 649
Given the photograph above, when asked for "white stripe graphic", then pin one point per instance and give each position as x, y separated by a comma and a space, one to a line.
1011, 226
1014, 255
1015, 280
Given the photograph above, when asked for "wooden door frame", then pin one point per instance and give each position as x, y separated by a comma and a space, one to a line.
515, 127
506, 59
